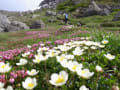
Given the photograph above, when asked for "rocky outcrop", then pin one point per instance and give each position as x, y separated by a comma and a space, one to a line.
16, 26
50, 3
7, 26
50, 13
37, 24
4, 22
117, 17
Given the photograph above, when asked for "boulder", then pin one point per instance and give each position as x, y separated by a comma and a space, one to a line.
38, 24
35, 15
51, 13
1, 29
16, 26
117, 17
4, 21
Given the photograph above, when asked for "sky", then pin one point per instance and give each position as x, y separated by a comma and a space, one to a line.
19, 5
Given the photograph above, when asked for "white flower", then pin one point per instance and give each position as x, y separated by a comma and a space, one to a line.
39, 58
64, 63
59, 79
70, 57
41, 49
52, 53
73, 65
26, 54
104, 41
93, 47
29, 46
29, 83
85, 73
83, 87
33, 72
88, 43
61, 58
22, 62
64, 48
4, 67
109, 56
78, 51
101, 46
9, 88
99, 68
1, 85
85, 47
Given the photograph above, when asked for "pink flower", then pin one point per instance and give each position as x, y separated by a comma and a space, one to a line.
11, 80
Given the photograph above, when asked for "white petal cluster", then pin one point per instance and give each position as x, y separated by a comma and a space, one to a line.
33, 72
83, 87
59, 79
109, 56
29, 83
4, 67
39, 58
26, 54
22, 62
85, 73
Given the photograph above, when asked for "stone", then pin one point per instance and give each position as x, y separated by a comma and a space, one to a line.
16, 26
35, 15
1, 29
38, 24
4, 21
51, 13
116, 17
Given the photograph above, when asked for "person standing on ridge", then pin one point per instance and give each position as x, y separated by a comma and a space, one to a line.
66, 18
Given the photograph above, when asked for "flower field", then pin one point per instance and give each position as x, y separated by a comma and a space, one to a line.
70, 64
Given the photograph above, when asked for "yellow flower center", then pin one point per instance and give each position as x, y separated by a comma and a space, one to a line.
31, 85
83, 71
62, 58
32, 72
74, 67
38, 60
60, 79
105, 42
3, 66
53, 54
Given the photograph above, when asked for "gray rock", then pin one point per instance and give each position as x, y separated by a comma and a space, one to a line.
4, 21
38, 24
51, 13
117, 17
35, 15
1, 29
105, 11
16, 26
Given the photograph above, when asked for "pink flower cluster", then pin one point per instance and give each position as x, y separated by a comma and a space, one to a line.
2, 78
32, 32
17, 74
43, 35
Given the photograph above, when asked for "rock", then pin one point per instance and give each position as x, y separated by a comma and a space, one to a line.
95, 6
90, 12
51, 13
35, 15
105, 11
16, 26
66, 28
4, 21
116, 17
38, 24
1, 29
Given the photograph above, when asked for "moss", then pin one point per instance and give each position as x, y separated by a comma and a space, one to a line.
111, 24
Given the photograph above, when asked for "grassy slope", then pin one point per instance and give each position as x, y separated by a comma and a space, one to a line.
91, 24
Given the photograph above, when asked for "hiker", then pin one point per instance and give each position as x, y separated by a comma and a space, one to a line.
66, 18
